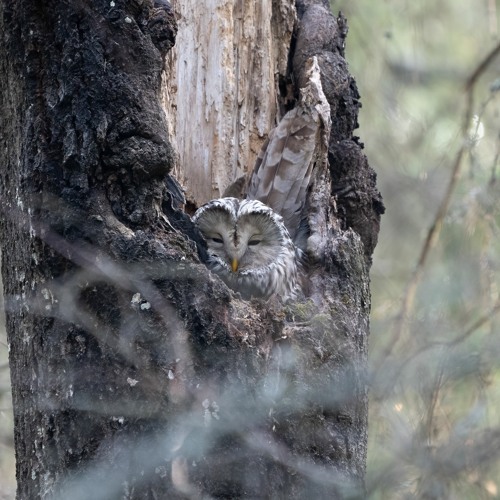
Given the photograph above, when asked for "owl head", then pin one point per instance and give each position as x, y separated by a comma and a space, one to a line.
249, 247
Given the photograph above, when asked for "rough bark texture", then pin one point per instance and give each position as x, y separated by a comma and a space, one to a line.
135, 372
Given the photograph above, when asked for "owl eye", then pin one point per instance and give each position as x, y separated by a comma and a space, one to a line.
217, 239
253, 242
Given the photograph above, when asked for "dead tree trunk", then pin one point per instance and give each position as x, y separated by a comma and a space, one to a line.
135, 372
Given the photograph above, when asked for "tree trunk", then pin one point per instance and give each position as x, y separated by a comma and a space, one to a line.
230, 59
136, 373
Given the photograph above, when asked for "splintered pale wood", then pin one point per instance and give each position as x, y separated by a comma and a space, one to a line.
221, 96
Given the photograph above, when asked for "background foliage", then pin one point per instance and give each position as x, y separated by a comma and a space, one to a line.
435, 427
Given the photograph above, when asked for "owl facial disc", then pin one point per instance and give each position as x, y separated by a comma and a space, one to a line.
249, 247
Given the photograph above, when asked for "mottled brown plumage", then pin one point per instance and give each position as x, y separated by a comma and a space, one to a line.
282, 172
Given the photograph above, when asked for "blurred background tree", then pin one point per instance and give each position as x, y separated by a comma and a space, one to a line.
435, 426
434, 429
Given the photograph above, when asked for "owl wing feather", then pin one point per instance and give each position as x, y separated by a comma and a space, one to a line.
283, 169
278, 193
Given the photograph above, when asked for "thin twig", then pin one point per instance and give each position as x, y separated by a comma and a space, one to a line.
483, 66
445, 344
407, 303
475, 326
431, 409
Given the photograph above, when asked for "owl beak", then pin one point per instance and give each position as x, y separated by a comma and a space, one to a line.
234, 265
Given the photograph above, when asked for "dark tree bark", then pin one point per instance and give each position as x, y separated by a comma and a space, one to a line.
135, 372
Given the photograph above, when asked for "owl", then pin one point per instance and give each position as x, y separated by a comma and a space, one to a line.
250, 248
256, 245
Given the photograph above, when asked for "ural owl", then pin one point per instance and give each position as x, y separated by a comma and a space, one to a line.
249, 247
255, 245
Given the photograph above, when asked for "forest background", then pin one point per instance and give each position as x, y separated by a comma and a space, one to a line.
430, 123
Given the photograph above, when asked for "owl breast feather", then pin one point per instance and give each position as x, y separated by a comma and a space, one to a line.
278, 278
